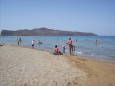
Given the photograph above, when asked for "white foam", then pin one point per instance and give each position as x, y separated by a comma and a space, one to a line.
79, 52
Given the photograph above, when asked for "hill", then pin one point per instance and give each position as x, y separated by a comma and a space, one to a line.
44, 32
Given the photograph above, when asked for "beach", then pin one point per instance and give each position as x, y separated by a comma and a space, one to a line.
23, 66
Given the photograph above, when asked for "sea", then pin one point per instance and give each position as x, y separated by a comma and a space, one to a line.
84, 45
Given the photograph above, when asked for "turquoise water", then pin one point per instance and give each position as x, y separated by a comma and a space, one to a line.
84, 46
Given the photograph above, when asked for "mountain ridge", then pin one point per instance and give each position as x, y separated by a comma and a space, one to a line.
44, 32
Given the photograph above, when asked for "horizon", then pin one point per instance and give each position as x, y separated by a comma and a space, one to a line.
55, 29
97, 16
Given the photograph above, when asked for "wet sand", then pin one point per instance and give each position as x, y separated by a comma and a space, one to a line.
99, 72
21, 66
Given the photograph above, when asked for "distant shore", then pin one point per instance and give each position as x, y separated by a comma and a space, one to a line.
23, 66
44, 32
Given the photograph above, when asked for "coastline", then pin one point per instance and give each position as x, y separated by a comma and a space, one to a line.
46, 69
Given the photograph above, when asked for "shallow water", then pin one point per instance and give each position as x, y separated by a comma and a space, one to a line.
85, 45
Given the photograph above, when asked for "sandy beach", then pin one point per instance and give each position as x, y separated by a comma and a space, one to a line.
21, 66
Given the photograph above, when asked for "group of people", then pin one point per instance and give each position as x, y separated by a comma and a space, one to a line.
56, 49
71, 48
39, 42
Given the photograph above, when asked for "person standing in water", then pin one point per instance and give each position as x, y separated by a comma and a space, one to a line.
70, 45
20, 40
97, 42
33, 43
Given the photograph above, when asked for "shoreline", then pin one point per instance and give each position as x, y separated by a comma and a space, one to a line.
103, 49
90, 71
96, 57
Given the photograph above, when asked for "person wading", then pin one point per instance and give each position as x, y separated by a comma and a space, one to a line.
70, 45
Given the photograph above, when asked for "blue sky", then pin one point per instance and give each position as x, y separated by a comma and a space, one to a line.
97, 16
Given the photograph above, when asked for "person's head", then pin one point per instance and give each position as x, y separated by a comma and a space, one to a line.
69, 38
56, 46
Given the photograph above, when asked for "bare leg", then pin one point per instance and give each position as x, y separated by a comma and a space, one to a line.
70, 50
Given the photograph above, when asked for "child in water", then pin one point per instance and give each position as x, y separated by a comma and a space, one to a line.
63, 48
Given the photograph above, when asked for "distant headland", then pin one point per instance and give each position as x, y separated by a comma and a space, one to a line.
44, 32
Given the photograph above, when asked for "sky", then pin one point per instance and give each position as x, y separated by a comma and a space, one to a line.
96, 16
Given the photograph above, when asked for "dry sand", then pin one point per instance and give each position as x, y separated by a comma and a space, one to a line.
20, 66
